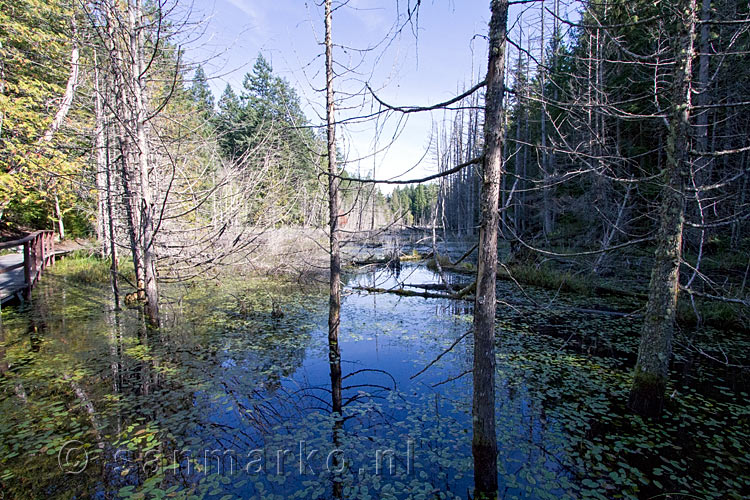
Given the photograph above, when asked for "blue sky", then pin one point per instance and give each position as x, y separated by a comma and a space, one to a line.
426, 63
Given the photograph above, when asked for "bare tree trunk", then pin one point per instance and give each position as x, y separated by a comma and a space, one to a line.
131, 209
546, 174
703, 95
334, 306
736, 232
526, 150
652, 368
111, 222
124, 119
333, 213
701, 165
552, 153
102, 166
70, 89
484, 440
59, 215
146, 202
517, 204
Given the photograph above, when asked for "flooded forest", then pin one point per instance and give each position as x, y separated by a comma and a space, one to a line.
368, 249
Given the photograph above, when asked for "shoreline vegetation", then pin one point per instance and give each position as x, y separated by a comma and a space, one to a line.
297, 255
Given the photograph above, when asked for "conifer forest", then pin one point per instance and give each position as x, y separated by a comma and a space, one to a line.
375, 249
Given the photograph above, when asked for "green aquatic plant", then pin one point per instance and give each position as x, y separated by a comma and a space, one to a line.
145, 404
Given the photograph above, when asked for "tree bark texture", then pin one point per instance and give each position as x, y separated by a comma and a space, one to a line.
334, 312
651, 371
138, 86
334, 306
484, 440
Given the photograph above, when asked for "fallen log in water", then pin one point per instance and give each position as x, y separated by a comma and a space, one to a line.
463, 294
427, 286
370, 262
435, 286
386, 260
404, 293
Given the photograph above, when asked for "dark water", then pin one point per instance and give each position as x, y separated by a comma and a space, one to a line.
229, 400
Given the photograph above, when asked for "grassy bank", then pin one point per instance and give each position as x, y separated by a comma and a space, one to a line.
84, 267
561, 277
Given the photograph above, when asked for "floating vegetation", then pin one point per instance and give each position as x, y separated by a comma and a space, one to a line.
232, 400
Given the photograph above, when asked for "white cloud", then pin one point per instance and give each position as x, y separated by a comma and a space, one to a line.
371, 13
245, 6
256, 17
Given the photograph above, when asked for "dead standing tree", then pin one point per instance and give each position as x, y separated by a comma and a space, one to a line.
136, 25
651, 370
334, 312
334, 306
131, 51
484, 441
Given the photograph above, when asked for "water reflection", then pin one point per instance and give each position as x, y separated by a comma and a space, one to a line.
225, 376
213, 378
337, 404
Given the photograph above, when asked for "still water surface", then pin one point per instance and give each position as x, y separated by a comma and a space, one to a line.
231, 399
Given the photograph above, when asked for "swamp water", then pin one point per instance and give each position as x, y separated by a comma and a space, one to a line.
231, 399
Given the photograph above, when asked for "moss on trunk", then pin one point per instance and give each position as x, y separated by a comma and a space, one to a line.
647, 394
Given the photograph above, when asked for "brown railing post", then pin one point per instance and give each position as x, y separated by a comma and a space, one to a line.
43, 247
51, 243
32, 262
27, 268
37, 268
36, 260
46, 249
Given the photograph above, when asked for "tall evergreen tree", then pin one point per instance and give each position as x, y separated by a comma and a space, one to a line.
228, 121
201, 92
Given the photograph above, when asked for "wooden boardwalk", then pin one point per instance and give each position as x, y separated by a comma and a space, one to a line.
22, 269
12, 279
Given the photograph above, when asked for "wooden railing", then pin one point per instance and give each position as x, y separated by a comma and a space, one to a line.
38, 253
